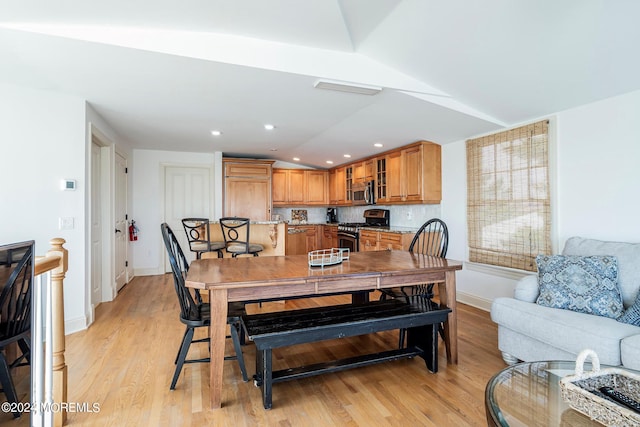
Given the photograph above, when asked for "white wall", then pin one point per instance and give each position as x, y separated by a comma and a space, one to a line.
596, 189
42, 140
148, 207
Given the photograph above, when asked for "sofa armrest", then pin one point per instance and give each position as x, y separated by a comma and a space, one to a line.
527, 289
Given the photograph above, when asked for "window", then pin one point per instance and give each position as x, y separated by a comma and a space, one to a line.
508, 208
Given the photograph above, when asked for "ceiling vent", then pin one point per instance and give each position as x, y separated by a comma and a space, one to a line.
347, 87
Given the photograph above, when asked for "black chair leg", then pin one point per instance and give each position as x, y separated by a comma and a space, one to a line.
25, 348
7, 383
401, 334
238, 349
184, 349
180, 348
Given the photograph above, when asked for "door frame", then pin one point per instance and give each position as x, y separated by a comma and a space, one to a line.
107, 178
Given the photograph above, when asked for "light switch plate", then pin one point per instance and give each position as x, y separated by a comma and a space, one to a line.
65, 223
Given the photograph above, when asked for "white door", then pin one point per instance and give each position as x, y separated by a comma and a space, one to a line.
187, 195
121, 224
96, 225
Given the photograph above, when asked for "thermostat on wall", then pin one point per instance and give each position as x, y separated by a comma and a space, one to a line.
68, 184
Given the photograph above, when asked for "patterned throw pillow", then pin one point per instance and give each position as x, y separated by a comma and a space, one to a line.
587, 284
632, 315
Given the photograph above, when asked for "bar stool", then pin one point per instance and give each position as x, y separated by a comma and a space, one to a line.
197, 230
235, 231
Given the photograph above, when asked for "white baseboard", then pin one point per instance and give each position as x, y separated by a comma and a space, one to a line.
474, 301
75, 325
147, 272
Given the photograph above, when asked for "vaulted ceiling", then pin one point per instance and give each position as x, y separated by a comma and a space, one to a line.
164, 74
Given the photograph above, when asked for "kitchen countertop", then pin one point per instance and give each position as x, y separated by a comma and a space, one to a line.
256, 222
310, 223
392, 229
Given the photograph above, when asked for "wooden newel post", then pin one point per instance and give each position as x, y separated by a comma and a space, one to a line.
58, 344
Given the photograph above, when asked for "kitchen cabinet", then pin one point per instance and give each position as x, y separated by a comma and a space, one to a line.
381, 179
406, 175
317, 191
300, 187
313, 237
371, 240
337, 186
247, 188
348, 184
394, 241
296, 243
329, 236
364, 171
288, 187
368, 240
411, 175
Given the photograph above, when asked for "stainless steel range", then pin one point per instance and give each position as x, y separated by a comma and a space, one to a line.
349, 232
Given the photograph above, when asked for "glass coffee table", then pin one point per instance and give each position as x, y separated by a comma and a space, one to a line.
528, 394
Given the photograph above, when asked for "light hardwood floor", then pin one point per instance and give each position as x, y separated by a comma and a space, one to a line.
124, 363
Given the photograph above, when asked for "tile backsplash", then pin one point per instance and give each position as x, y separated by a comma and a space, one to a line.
401, 215
299, 216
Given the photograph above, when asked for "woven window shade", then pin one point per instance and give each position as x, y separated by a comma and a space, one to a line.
508, 208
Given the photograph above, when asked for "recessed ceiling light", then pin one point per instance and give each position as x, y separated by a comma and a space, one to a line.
330, 162
377, 144
216, 133
348, 156
297, 159
274, 149
269, 126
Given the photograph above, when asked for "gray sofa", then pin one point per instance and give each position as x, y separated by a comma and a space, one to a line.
529, 332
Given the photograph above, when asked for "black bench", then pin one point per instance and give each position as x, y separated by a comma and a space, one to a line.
421, 318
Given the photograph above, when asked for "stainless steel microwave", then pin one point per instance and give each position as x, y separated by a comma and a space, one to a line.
363, 193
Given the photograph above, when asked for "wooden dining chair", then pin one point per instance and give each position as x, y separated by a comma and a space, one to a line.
235, 231
197, 230
197, 314
15, 316
432, 238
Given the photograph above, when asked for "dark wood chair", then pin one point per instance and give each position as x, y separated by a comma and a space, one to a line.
432, 238
235, 231
194, 313
197, 230
15, 316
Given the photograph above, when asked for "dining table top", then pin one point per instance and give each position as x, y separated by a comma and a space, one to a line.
379, 266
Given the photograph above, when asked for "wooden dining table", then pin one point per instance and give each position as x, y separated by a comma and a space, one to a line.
268, 278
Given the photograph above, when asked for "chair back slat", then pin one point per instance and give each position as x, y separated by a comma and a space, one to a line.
189, 306
431, 239
15, 299
197, 231
235, 231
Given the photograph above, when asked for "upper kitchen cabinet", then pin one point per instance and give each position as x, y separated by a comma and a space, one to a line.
317, 186
293, 187
364, 171
412, 174
288, 187
247, 188
337, 186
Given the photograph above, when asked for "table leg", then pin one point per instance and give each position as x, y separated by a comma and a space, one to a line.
218, 332
361, 297
447, 295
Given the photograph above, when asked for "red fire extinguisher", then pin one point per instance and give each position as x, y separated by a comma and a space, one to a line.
133, 231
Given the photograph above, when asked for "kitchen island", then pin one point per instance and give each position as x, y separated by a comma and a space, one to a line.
270, 234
